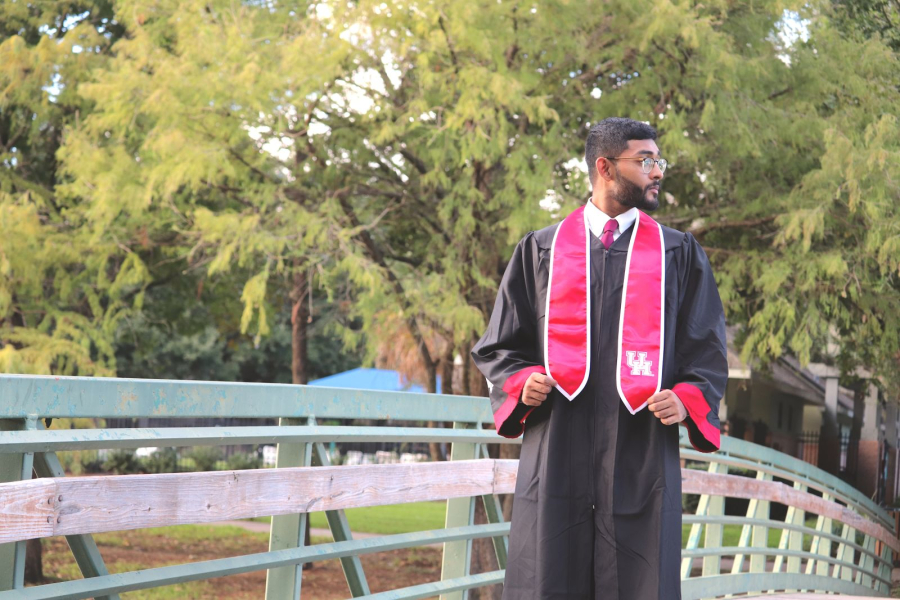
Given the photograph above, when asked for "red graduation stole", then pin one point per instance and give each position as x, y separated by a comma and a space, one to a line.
567, 347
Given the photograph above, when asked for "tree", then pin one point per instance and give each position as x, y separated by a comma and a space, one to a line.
191, 114
864, 19
57, 312
410, 147
60, 294
178, 337
474, 116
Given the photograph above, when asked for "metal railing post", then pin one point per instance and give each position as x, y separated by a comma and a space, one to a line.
494, 513
14, 467
713, 535
791, 539
820, 546
845, 553
84, 549
340, 531
754, 536
287, 531
460, 512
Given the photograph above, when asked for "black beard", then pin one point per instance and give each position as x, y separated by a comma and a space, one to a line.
632, 195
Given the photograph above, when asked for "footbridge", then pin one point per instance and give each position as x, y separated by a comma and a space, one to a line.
759, 521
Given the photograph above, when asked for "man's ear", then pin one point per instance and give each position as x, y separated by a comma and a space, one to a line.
604, 169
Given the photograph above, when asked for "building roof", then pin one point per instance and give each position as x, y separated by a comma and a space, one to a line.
786, 374
371, 379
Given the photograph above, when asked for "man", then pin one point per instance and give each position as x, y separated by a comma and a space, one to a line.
598, 318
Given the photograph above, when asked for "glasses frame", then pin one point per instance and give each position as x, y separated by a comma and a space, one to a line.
662, 163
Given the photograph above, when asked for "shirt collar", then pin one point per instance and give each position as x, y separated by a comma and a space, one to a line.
597, 219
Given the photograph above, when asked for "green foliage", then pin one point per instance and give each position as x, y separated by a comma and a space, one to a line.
397, 154
178, 336
46, 50
80, 462
121, 462
61, 293
164, 460
864, 19
243, 460
61, 307
391, 519
163, 351
205, 457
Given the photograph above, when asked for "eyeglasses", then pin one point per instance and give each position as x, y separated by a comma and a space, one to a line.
646, 163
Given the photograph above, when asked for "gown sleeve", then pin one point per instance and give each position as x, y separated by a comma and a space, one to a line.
700, 351
507, 352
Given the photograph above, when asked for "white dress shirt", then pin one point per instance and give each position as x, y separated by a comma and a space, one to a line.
597, 219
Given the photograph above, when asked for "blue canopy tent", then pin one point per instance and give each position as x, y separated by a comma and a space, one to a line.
371, 379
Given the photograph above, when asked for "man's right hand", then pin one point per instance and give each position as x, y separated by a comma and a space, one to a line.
536, 389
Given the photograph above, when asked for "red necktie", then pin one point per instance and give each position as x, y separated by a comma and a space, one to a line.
608, 230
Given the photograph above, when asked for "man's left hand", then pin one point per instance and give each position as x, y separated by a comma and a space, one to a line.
667, 407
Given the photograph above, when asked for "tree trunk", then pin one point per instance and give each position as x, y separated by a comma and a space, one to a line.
447, 383
477, 382
300, 318
466, 378
434, 448
34, 563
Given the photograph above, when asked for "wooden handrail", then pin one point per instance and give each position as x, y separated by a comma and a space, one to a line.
83, 505
734, 486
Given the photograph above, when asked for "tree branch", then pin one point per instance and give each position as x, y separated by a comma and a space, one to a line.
786, 90
241, 160
377, 256
704, 229
453, 58
409, 261
418, 163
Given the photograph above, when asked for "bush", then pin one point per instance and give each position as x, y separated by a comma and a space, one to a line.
121, 462
70, 462
79, 462
205, 457
90, 463
164, 460
187, 465
242, 461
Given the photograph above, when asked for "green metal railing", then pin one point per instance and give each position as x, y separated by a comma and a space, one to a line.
831, 538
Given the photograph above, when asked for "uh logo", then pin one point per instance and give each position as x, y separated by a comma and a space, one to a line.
639, 365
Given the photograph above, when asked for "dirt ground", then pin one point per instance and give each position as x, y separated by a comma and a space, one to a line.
131, 550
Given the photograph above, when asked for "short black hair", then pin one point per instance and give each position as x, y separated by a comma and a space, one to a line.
610, 137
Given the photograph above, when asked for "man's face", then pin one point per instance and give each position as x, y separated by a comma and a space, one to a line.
634, 188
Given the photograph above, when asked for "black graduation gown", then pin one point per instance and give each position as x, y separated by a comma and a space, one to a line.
597, 511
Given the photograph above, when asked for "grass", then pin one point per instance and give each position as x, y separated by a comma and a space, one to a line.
386, 520
731, 535
125, 551
134, 550
422, 516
